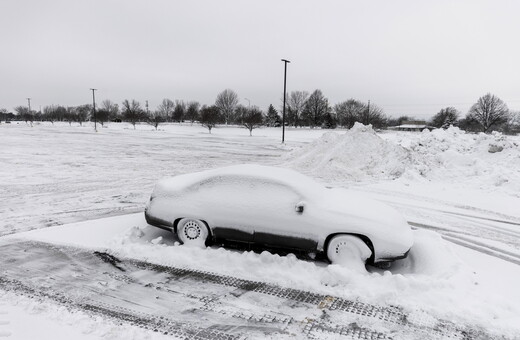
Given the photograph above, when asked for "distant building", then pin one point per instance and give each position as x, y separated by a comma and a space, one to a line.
412, 125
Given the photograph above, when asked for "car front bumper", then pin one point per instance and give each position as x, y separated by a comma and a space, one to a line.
157, 222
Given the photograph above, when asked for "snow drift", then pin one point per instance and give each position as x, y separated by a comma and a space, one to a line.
362, 155
358, 155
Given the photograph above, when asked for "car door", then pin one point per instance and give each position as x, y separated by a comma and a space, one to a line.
251, 209
227, 206
279, 223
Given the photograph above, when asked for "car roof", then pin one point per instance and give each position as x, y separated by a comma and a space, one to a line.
283, 176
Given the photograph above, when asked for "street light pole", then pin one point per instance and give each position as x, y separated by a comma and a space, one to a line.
29, 102
94, 108
284, 91
249, 102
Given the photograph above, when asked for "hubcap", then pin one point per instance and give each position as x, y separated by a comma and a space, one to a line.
341, 246
192, 230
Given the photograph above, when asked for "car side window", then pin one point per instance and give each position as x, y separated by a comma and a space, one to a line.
249, 192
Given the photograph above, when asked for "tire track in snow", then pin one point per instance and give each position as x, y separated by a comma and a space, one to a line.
459, 239
4, 322
461, 224
500, 217
175, 300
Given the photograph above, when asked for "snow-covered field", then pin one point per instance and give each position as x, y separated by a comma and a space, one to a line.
67, 185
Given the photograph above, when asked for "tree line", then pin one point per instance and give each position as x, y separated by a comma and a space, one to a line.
302, 110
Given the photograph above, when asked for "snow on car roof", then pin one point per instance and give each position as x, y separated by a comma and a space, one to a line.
278, 175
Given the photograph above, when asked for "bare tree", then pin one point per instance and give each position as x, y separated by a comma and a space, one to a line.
71, 114
132, 111
445, 117
489, 111
209, 116
252, 118
102, 116
155, 118
373, 115
111, 109
513, 123
349, 112
295, 105
24, 114
4, 115
166, 108
54, 113
179, 111
49, 113
82, 113
227, 102
192, 111
315, 108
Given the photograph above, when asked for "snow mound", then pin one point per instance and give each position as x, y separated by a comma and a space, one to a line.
485, 161
359, 154
481, 160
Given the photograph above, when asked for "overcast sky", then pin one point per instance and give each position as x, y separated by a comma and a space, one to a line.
408, 57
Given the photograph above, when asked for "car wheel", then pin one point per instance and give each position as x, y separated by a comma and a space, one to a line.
192, 232
348, 250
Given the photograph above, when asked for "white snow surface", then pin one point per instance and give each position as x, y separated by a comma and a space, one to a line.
491, 162
437, 277
463, 187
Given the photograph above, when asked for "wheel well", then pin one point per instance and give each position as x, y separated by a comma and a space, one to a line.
176, 223
362, 237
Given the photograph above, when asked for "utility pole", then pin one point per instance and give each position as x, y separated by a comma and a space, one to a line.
284, 91
94, 108
368, 113
147, 112
30, 116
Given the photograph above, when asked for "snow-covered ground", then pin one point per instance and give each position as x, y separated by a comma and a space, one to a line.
461, 191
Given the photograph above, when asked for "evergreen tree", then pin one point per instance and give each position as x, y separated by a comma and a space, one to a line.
272, 118
329, 121
445, 117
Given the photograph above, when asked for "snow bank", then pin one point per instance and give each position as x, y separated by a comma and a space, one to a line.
358, 155
480, 160
452, 155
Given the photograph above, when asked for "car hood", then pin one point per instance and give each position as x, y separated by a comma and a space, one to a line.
372, 214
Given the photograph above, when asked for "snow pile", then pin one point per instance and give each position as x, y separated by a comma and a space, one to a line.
358, 155
485, 161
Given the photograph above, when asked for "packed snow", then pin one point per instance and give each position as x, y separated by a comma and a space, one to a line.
460, 190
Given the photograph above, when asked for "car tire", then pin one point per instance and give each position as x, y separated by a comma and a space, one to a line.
192, 232
347, 250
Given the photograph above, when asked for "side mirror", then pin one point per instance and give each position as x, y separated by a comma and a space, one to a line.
300, 206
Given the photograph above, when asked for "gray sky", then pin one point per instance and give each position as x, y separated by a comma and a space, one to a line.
408, 57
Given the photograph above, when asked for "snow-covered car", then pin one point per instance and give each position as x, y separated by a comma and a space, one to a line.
277, 207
